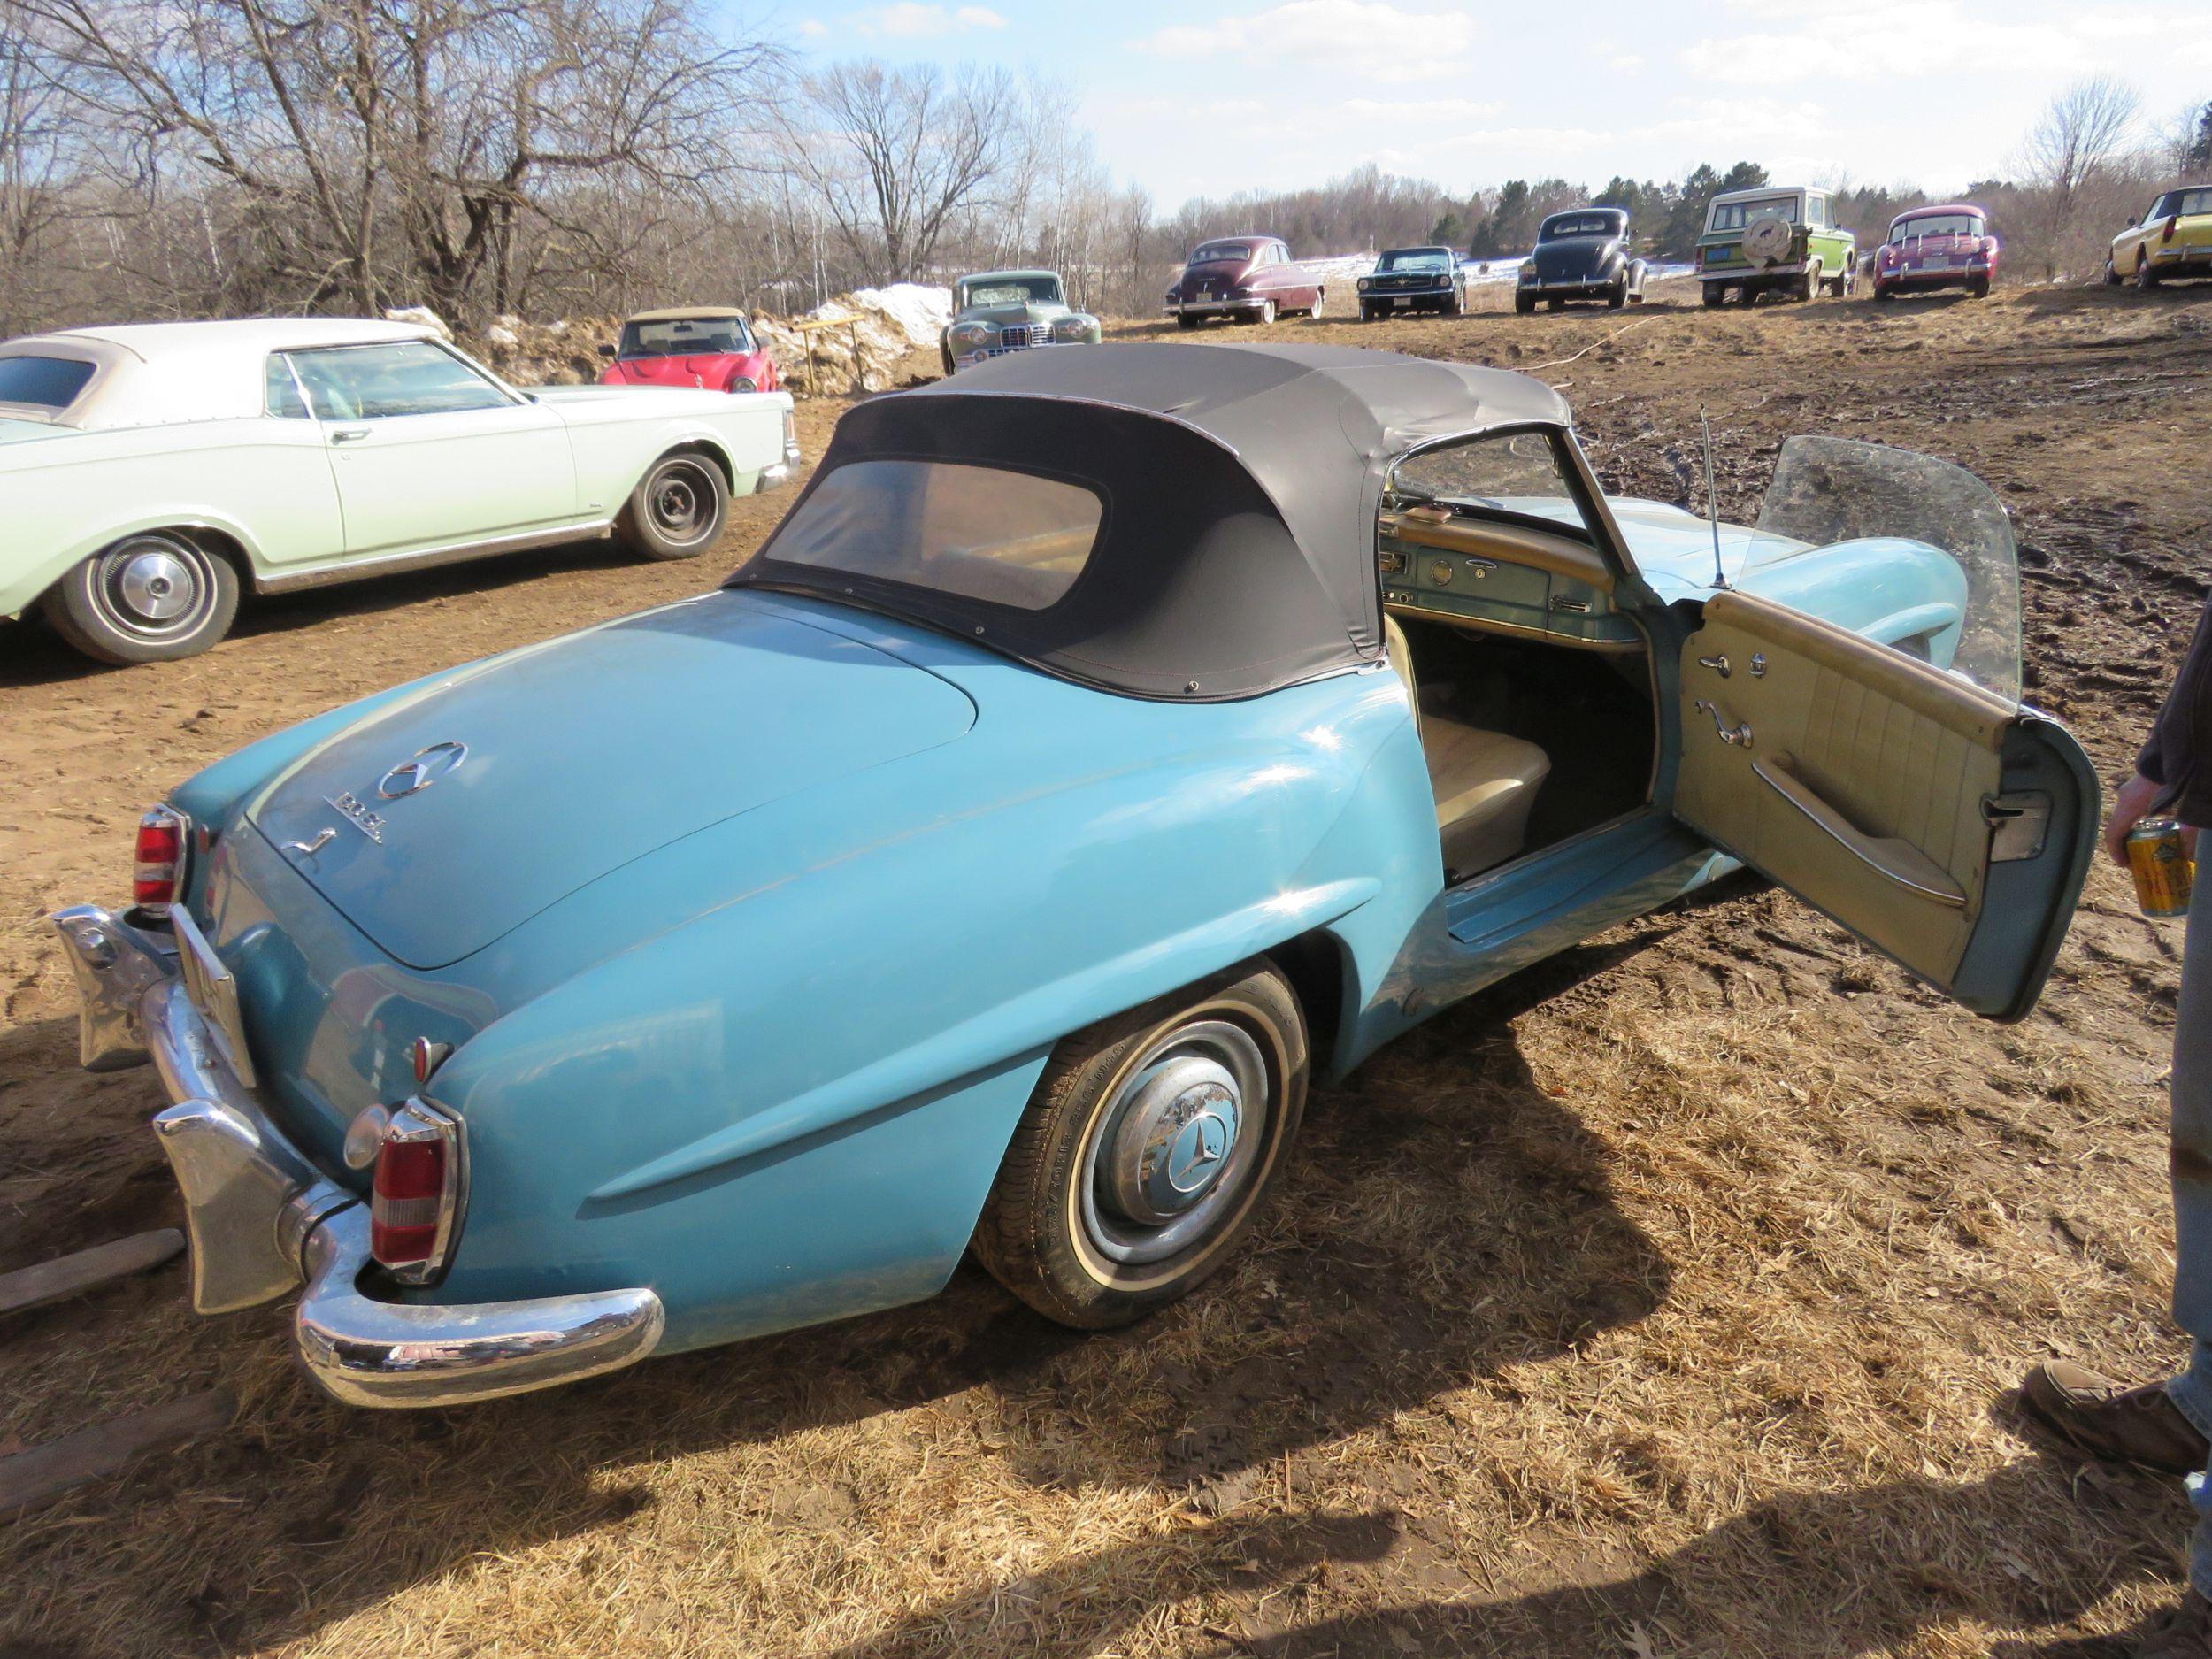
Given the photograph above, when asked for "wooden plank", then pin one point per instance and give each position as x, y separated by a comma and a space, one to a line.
66, 1275
30, 1480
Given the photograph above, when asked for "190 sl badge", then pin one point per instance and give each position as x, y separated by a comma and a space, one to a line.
350, 808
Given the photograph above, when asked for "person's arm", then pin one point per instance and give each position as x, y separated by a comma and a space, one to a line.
2171, 775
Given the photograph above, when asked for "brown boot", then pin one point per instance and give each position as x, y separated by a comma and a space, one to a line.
2187, 1633
2142, 1426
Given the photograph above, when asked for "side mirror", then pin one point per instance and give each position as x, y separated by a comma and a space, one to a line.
606, 351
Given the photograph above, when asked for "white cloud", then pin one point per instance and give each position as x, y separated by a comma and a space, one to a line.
910, 21
1934, 41
1627, 63
1364, 35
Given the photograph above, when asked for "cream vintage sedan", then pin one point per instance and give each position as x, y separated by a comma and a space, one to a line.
152, 472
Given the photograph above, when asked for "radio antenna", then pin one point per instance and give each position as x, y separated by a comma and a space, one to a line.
1712, 498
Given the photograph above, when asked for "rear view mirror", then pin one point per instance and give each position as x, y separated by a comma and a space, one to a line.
606, 351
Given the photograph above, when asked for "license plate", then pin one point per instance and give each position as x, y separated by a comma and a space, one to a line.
213, 992
1402, 300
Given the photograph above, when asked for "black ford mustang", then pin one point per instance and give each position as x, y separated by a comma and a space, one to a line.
1583, 254
1414, 280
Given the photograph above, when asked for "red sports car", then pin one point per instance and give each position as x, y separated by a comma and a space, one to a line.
711, 346
1942, 247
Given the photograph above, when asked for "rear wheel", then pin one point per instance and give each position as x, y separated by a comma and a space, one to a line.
1713, 294
1266, 317
1184, 319
1320, 299
2146, 273
1977, 287
1524, 303
1809, 284
1147, 1146
148, 598
677, 510
1618, 295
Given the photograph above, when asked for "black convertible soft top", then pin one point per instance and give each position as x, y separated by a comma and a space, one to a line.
1236, 552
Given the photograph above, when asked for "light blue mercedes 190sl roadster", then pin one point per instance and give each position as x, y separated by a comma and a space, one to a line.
1105, 742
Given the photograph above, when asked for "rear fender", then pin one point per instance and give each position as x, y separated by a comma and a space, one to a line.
820, 1076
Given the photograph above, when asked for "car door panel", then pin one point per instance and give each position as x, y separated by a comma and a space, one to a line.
417, 481
1874, 786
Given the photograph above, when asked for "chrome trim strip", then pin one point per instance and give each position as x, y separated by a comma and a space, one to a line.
262, 1220
451, 553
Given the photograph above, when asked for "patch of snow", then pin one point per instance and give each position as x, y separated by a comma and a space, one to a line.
421, 315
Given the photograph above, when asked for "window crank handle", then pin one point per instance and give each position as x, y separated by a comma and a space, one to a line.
1718, 663
1738, 736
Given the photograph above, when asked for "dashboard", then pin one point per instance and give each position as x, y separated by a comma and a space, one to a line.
1488, 574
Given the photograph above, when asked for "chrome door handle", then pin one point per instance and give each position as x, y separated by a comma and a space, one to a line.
348, 435
1718, 664
1739, 736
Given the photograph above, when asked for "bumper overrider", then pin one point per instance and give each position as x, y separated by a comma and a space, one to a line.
263, 1220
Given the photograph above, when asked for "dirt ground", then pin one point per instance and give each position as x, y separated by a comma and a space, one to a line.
1663, 1300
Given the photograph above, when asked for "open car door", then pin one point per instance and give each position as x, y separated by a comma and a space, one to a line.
1880, 766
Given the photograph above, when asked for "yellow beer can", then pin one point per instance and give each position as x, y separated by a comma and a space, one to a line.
2164, 872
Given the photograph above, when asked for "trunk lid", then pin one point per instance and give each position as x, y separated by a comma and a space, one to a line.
580, 756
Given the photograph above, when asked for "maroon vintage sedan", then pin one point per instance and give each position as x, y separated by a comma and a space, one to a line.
1945, 246
1244, 280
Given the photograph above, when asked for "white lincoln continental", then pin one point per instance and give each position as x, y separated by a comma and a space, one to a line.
152, 472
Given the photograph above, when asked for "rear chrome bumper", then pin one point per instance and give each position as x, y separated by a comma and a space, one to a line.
263, 1220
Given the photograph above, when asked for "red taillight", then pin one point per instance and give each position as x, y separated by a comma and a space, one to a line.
415, 1202
160, 860
2173, 223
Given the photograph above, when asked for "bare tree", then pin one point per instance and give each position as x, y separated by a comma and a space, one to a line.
396, 150
2069, 163
893, 155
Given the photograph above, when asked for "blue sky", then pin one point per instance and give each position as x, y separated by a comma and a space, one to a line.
1208, 97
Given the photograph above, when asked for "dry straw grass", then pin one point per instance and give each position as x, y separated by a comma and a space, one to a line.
1661, 1301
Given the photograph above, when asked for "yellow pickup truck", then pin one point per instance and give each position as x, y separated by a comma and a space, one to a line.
2173, 240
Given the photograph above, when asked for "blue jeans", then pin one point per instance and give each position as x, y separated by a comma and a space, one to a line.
2191, 1158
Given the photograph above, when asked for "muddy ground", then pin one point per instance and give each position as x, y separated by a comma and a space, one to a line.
1663, 1300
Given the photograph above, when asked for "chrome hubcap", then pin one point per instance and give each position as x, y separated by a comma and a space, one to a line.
1177, 1146
154, 586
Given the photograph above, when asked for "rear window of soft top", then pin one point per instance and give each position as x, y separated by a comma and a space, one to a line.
43, 382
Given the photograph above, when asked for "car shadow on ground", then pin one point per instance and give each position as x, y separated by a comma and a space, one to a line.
1788, 1574
32, 654
1446, 1216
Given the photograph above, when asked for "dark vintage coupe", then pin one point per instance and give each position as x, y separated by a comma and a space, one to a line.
1584, 255
1243, 279
1414, 280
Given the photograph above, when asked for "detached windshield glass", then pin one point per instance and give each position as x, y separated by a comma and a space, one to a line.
1416, 259
1012, 291
43, 382
1961, 611
686, 336
980, 532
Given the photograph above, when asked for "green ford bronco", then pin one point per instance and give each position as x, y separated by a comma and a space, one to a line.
1779, 239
